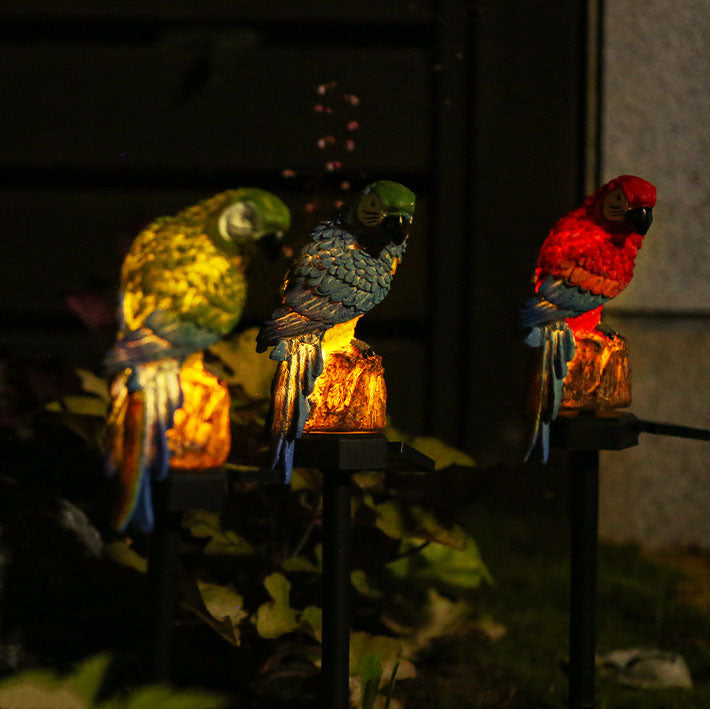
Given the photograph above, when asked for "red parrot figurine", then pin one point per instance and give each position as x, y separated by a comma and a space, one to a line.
587, 259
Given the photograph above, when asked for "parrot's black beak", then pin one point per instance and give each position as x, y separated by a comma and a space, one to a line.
271, 245
640, 218
399, 226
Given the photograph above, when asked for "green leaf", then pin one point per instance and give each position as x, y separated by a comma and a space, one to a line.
120, 553
44, 689
369, 479
443, 454
300, 563
204, 525
79, 404
222, 602
167, 698
93, 384
437, 565
387, 650
303, 563
370, 671
276, 617
250, 370
440, 617
312, 618
89, 676
360, 582
306, 479
400, 521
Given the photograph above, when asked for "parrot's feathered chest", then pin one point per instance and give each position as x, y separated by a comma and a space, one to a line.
334, 264
175, 268
586, 255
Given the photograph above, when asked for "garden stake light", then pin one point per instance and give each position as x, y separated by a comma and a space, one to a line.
343, 271
587, 259
582, 373
330, 386
183, 287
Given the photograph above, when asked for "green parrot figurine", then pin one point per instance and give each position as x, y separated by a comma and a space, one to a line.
343, 271
183, 287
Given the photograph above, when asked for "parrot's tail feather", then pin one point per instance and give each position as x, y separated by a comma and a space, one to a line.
141, 345
286, 323
555, 344
301, 363
144, 404
282, 459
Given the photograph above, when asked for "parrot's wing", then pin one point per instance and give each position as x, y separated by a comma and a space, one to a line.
332, 281
179, 293
556, 300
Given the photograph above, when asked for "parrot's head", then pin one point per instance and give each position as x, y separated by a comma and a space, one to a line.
250, 216
625, 206
381, 216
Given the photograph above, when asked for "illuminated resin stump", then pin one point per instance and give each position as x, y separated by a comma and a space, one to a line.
599, 376
200, 436
350, 395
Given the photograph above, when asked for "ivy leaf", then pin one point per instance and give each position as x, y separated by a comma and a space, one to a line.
438, 618
276, 617
44, 689
93, 384
360, 582
442, 454
120, 553
437, 565
387, 650
204, 524
80, 405
400, 521
306, 479
88, 677
251, 371
369, 479
370, 672
300, 563
168, 698
222, 602
312, 618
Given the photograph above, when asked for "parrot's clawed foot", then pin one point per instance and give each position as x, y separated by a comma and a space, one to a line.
607, 332
363, 348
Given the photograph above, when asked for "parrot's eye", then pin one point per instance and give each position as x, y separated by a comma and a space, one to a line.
615, 205
238, 222
370, 211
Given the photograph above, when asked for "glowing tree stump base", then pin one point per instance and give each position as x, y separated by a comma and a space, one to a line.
350, 395
200, 436
599, 375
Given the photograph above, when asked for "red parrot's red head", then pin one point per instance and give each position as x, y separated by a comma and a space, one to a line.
624, 206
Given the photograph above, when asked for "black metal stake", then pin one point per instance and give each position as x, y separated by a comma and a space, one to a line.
335, 669
162, 590
584, 512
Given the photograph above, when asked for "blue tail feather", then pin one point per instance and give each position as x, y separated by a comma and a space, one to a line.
149, 460
555, 340
300, 364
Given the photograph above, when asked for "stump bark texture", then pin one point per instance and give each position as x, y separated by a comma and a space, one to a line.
599, 375
350, 394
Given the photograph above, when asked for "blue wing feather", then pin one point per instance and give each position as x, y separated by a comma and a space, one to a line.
557, 300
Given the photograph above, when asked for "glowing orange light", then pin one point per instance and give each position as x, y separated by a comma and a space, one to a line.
599, 375
350, 395
200, 436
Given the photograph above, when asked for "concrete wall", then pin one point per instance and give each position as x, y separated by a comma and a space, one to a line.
656, 124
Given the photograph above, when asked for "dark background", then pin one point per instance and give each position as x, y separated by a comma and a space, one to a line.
116, 112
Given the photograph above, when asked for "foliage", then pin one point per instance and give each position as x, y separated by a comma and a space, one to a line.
45, 689
253, 569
